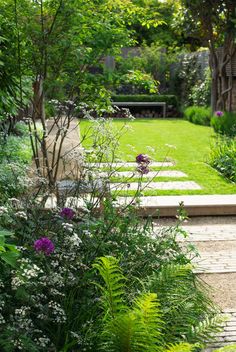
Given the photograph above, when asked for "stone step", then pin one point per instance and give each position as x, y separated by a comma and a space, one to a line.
168, 185
217, 262
195, 205
151, 174
128, 164
167, 206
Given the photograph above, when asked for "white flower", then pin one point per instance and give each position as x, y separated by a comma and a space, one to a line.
21, 214
68, 227
3, 210
75, 240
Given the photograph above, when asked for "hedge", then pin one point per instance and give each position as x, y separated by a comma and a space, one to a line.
168, 99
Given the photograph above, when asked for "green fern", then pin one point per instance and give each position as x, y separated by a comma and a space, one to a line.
182, 347
113, 291
208, 328
183, 296
135, 329
149, 322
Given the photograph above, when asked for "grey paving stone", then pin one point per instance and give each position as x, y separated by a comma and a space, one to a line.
151, 174
130, 164
228, 335
169, 185
216, 262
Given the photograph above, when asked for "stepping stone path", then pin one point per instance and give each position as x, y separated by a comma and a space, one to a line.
133, 186
215, 240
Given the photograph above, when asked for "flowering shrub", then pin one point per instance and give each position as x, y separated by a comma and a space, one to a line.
223, 157
48, 301
224, 123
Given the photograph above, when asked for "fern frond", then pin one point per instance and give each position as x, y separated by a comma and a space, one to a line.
208, 328
113, 291
182, 347
149, 322
130, 332
118, 333
174, 271
148, 307
126, 329
183, 297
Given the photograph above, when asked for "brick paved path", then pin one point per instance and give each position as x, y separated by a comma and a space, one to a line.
215, 239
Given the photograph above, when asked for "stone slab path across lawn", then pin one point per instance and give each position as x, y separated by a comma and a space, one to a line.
133, 186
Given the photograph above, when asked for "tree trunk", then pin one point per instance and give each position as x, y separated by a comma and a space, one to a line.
38, 100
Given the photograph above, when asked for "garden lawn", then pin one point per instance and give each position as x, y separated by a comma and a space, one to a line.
188, 145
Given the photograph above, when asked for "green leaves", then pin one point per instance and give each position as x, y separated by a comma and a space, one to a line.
135, 329
8, 252
113, 291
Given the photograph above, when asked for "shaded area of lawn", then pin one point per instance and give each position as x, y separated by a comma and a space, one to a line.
192, 146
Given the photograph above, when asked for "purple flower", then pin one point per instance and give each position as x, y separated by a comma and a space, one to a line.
142, 158
45, 245
219, 113
67, 213
143, 169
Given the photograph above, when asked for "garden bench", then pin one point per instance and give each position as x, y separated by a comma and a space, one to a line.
141, 104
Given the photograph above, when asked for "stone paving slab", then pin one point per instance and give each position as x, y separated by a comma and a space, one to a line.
211, 233
168, 185
228, 335
217, 262
195, 205
203, 229
194, 200
129, 164
151, 174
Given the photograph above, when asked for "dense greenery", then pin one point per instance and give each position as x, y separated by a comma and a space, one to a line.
49, 299
169, 99
87, 274
198, 115
223, 157
15, 157
224, 124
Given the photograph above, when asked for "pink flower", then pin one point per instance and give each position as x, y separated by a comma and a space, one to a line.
142, 158
45, 245
219, 113
143, 169
67, 213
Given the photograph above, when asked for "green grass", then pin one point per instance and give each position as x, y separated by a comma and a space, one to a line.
192, 143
